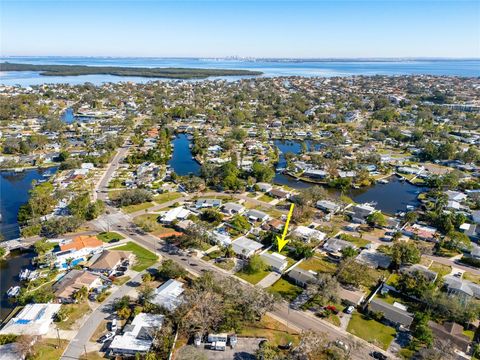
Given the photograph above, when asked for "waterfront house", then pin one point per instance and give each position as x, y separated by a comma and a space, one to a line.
265, 187
77, 250
423, 232
328, 206
275, 261
65, 288
315, 173
279, 194
244, 247
33, 320
168, 295
137, 336
359, 213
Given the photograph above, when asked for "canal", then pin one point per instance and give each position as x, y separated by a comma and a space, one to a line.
182, 161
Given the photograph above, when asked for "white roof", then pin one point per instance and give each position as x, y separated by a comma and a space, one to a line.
308, 233
245, 246
129, 340
168, 295
34, 319
176, 213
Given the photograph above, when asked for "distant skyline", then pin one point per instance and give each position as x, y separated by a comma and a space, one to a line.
260, 29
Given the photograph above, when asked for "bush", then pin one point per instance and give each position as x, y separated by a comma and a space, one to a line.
133, 197
470, 261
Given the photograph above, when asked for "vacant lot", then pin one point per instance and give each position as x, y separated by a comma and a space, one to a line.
144, 257
253, 278
48, 349
133, 208
371, 330
285, 289
71, 313
319, 265
165, 197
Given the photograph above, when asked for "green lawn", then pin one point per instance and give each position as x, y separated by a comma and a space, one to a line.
392, 280
285, 289
225, 265
275, 332
72, 312
371, 331
440, 269
265, 198
133, 208
110, 236
252, 278
48, 349
471, 277
121, 280
357, 241
319, 265
165, 197
149, 223
145, 258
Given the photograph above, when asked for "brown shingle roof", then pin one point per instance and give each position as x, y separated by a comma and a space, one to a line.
109, 258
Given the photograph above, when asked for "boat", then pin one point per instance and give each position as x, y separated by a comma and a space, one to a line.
410, 207
13, 291
383, 181
33, 275
24, 274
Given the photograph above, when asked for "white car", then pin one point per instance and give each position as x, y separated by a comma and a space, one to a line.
114, 327
106, 337
341, 345
350, 309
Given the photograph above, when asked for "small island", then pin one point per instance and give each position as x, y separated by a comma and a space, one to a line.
171, 73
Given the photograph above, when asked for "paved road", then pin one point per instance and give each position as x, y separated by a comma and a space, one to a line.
76, 347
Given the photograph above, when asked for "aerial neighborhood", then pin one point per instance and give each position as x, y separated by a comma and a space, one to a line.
156, 221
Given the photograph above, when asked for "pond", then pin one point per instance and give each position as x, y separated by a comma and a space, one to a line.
182, 161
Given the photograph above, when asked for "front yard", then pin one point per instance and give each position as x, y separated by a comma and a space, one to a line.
110, 236
319, 265
370, 330
144, 257
285, 289
252, 278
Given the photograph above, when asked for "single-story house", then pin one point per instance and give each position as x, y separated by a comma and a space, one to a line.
328, 206
457, 196
302, 277
33, 319
275, 261
245, 247
73, 281
307, 234
109, 260
231, 208
395, 314
138, 336
280, 194
359, 213
273, 225
168, 295
315, 173
256, 215
452, 333
471, 230
460, 287
374, 259
265, 187
430, 275
208, 203
221, 238
11, 351
184, 224
335, 245
77, 250
178, 213
351, 297
427, 233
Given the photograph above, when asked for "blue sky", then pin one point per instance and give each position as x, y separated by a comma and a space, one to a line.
338, 28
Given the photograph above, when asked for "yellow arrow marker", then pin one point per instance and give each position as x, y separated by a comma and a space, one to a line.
281, 242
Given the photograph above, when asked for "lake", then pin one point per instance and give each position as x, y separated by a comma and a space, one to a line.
14, 188
324, 68
182, 161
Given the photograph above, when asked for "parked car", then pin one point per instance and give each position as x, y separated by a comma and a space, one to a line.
106, 337
113, 325
349, 309
378, 355
341, 345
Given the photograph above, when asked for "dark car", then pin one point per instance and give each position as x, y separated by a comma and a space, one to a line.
285, 347
378, 355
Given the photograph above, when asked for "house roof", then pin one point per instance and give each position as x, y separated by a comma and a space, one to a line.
81, 242
274, 260
256, 214
335, 245
451, 332
278, 193
308, 233
353, 297
429, 274
302, 276
459, 285
327, 205
73, 281
375, 259
168, 295
245, 246
33, 319
391, 312
110, 258
233, 206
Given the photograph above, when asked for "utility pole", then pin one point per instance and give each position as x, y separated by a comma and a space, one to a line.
58, 338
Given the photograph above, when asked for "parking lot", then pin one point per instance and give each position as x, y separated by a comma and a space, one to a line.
244, 350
